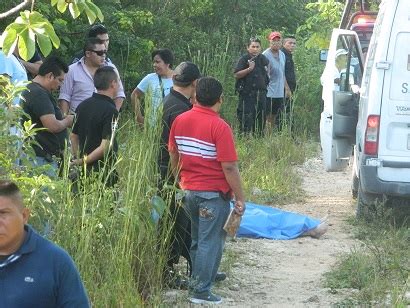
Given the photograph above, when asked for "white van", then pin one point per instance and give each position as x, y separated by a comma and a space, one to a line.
373, 119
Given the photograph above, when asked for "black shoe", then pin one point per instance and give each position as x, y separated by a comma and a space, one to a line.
205, 298
220, 276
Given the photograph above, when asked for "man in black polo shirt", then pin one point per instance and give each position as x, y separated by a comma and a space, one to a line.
251, 82
289, 45
43, 111
175, 103
93, 137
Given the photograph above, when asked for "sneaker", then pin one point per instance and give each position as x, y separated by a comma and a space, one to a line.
205, 298
220, 276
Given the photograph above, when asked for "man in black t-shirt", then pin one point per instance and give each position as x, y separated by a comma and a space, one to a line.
289, 45
93, 137
252, 79
43, 111
175, 103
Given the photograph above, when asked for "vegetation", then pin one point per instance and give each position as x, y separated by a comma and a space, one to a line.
112, 233
379, 268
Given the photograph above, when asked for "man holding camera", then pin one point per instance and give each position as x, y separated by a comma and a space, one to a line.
251, 81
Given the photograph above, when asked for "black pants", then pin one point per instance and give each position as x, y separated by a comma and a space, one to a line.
251, 112
180, 233
276, 107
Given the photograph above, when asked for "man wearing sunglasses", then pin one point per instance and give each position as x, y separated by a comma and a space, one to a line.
78, 84
98, 31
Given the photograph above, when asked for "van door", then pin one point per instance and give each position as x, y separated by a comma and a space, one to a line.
341, 82
394, 136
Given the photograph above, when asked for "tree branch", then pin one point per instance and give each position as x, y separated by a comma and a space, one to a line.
15, 9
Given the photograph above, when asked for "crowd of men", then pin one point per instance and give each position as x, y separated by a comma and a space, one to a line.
265, 82
197, 146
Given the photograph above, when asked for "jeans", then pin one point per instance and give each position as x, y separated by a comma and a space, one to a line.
52, 171
208, 211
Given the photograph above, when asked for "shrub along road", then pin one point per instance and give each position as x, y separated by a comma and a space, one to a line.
266, 273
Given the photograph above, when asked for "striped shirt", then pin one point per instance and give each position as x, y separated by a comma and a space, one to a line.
203, 140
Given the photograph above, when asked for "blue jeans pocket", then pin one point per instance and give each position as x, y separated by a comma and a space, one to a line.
206, 213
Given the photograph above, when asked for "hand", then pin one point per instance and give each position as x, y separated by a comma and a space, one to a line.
69, 119
77, 162
239, 207
139, 120
251, 65
288, 93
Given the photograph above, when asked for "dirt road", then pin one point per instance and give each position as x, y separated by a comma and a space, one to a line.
268, 273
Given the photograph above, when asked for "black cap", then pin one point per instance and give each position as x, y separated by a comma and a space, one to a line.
186, 72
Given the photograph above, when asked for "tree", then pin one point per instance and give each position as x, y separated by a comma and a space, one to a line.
31, 26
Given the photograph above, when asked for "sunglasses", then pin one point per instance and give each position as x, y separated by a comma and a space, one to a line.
99, 52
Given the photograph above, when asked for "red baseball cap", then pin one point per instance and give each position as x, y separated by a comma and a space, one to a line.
274, 35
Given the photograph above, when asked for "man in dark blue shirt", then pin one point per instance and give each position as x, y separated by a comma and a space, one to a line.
33, 271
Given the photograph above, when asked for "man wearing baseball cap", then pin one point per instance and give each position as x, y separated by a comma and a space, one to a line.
176, 102
278, 88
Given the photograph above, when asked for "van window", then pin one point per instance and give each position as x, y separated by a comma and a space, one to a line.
348, 64
369, 56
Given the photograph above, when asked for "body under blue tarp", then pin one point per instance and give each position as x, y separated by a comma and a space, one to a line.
261, 221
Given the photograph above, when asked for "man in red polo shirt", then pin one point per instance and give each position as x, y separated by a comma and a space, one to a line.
203, 155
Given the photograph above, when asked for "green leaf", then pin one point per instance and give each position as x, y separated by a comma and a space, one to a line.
96, 10
90, 15
26, 44
45, 44
74, 10
54, 2
19, 27
25, 16
9, 39
158, 204
62, 6
35, 17
52, 35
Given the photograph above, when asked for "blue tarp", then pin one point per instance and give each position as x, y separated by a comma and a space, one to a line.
261, 221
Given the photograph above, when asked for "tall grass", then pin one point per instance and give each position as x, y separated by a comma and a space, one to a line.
110, 232
379, 268
266, 167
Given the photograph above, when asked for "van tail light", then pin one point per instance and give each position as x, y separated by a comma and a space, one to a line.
371, 138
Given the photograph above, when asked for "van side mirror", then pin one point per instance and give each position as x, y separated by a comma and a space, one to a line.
323, 55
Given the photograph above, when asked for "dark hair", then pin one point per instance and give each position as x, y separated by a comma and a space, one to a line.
97, 29
104, 76
287, 37
91, 42
165, 54
182, 84
53, 64
254, 40
208, 91
8, 188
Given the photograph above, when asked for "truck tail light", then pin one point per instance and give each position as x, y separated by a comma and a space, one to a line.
371, 138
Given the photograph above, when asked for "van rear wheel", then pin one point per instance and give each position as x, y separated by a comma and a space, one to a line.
365, 204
